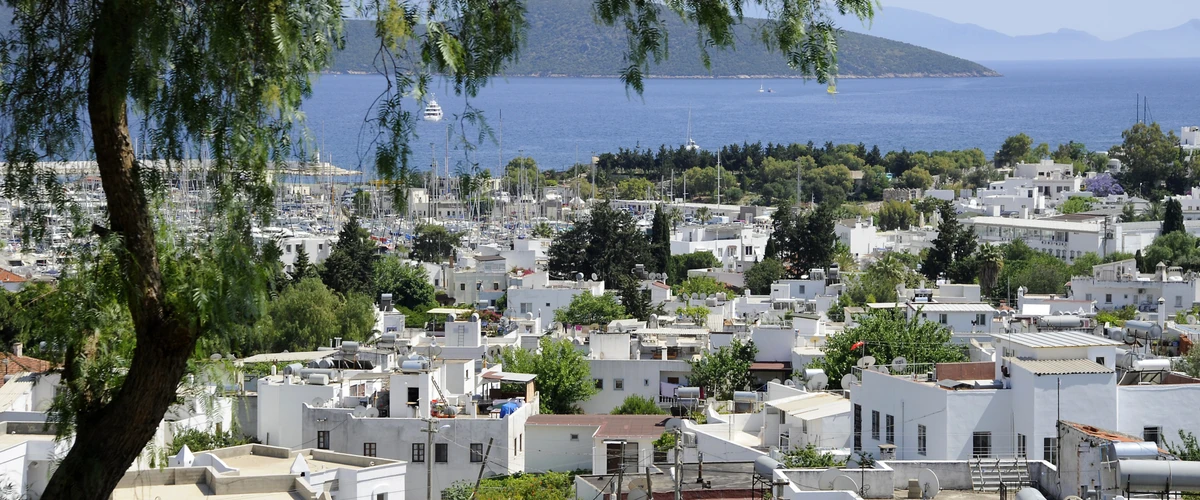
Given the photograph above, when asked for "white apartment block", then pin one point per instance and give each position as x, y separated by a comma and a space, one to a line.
652, 366
540, 296
736, 246
1062, 239
1119, 284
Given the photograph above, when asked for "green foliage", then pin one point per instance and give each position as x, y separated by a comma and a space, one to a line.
607, 243
408, 283
198, 441
1084, 263
635, 189
434, 243
895, 214
803, 241
916, 178
543, 230
301, 267
727, 370
952, 250
636, 300
1152, 162
697, 314
1116, 317
762, 275
563, 374
1038, 272
877, 283
1188, 363
638, 405
701, 284
1076, 204
680, 264
1176, 248
830, 184
990, 259
1014, 150
350, 265
887, 335
308, 315
1187, 447
810, 457
666, 442
588, 309
1172, 216
660, 241
546, 486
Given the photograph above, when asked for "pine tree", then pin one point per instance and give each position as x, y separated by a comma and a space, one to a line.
301, 268
660, 241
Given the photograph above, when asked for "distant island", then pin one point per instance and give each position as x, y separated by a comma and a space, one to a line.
563, 40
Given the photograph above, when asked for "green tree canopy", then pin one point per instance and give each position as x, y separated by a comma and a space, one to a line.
607, 243
1076, 204
350, 265
917, 178
1014, 149
306, 316
701, 284
588, 309
680, 264
635, 189
638, 405
434, 243
886, 335
803, 241
952, 250
724, 371
1176, 248
408, 283
1172, 216
762, 275
564, 377
894, 214
1151, 161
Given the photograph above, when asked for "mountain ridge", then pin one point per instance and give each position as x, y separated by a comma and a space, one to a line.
977, 43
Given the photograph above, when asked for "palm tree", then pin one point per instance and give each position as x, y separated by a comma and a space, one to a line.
702, 214
991, 261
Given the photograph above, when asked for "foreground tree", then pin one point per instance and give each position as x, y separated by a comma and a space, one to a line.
764, 274
227, 78
564, 377
803, 241
724, 371
886, 335
434, 243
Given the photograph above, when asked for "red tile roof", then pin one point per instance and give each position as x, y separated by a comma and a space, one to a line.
20, 364
764, 365
610, 426
7, 276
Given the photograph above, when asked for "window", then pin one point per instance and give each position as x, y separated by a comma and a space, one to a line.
441, 453
921, 440
1178, 301
942, 318
368, 449
618, 384
323, 440
1050, 450
476, 452
981, 319
574, 437
785, 440
645, 382
414, 396
891, 429
1152, 434
857, 427
495, 285
526, 307
289, 249
381, 496
801, 289
981, 445
1099, 360
462, 287
1088, 297
599, 383
1021, 446
1108, 298
874, 425
418, 452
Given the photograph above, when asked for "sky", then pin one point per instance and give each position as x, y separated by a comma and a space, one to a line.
1107, 19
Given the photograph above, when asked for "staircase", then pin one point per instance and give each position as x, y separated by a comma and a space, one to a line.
987, 474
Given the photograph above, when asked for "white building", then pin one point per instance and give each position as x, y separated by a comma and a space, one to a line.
480, 284
28, 452
317, 248
601, 444
962, 319
1065, 240
1119, 284
651, 368
862, 236
538, 295
736, 246
1010, 407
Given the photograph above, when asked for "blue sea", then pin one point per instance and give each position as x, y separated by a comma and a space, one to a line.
559, 121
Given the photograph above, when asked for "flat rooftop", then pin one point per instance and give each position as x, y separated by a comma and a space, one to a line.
728, 477
261, 465
1055, 339
193, 491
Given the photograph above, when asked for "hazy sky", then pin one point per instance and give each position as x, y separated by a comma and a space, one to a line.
1106, 19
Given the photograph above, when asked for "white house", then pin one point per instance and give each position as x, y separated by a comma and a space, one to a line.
736, 246
1119, 284
538, 295
1010, 407
862, 236
602, 444
1062, 239
652, 369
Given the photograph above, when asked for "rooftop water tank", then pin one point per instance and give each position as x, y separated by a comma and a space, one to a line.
765, 466
687, 392
1146, 476
318, 379
350, 347
745, 397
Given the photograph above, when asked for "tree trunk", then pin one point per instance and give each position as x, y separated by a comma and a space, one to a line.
109, 439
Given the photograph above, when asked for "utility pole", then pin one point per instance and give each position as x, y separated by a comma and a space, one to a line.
678, 464
621, 471
482, 466
429, 455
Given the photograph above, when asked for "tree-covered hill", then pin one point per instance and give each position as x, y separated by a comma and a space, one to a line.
564, 40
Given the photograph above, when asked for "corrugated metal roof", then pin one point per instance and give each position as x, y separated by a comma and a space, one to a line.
1059, 366
1055, 339
949, 307
1044, 224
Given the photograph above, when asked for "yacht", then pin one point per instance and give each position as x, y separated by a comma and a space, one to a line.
691, 144
433, 112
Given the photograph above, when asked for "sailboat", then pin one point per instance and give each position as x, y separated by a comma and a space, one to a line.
691, 145
760, 87
832, 88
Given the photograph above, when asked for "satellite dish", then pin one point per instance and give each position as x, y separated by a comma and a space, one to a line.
318, 403
866, 362
789, 382
882, 369
372, 412
818, 382
848, 380
899, 364
594, 277
930, 486
638, 483
844, 483
776, 381
359, 411
215, 357
1191, 319
825, 480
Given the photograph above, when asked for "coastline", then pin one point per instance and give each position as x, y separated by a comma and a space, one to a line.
973, 74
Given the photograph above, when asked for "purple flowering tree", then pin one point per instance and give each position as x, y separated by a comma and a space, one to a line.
1103, 185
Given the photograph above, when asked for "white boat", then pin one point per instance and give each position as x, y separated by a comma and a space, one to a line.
760, 87
691, 145
433, 112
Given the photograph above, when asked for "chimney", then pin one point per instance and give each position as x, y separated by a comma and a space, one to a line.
18, 349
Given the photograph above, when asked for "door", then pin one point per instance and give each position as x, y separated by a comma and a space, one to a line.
613, 462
